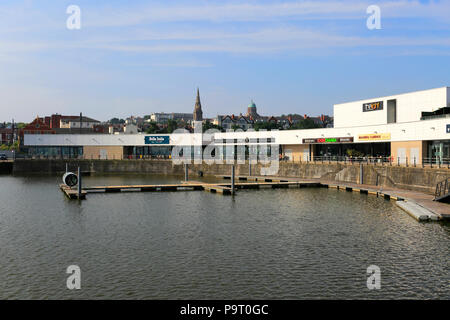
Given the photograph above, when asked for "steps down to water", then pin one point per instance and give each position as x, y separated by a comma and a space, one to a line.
442, 193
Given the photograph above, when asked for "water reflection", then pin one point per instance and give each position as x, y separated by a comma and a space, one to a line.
278, 244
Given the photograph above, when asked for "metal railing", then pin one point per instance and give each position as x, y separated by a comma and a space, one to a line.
92, 157
434, 162
442, 188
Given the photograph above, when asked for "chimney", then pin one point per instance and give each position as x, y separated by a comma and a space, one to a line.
81, 122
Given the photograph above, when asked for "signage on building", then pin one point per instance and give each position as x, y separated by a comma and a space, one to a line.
157, 140
373, 106
374, 136
448, 128
328, 140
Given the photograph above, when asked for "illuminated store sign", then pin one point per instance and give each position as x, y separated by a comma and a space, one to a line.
157, 140
374, 137
373, 106
328, 140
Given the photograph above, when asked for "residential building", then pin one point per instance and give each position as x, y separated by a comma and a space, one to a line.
410, 128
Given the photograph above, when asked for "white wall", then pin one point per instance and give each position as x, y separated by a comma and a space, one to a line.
106, 139
76, 124
409, 108
408, 131
448, 96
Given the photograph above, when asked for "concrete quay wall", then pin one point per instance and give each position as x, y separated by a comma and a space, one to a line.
409, 178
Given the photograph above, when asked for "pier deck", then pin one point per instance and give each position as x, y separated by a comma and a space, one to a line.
419, 205
219, 187
71, 193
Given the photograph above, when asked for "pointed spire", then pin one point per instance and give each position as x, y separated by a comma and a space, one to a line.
197, 100
198, 113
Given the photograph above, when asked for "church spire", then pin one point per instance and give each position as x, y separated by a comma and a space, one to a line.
198, 113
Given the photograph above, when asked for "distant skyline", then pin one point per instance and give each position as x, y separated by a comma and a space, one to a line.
139, 57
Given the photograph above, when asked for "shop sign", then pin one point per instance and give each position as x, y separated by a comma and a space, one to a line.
374, 137
328, 140
373, 106
157, 140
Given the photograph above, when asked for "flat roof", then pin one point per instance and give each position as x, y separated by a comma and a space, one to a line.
393, 95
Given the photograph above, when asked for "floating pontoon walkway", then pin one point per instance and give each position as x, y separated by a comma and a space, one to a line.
223, 188
416, 204
71, 193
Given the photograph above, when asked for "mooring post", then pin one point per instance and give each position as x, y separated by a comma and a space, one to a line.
67, 167
361, 174
186, 172
232, 179
79, 183
249, 168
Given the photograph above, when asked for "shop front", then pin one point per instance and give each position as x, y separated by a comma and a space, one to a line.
380, 149
439, 151
57, 152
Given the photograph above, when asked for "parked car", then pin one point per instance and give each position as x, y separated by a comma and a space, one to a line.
3, 156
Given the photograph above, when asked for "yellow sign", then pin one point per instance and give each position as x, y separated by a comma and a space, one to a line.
374, 136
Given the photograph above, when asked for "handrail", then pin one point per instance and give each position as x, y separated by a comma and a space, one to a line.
424, 162
432, 162
442, 188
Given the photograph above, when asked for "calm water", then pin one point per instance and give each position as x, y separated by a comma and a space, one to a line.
276, 244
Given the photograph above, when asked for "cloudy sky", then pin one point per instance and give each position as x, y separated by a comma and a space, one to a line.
138, 57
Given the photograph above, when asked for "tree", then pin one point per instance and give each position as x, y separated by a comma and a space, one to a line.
152, 128
266, 126
305, 124
116, 121
172, 125
15, 146
234, 127
354, 153
208, 125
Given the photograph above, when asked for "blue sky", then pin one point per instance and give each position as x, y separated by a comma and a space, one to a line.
138, 57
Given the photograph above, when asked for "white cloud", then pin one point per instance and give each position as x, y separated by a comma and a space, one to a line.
263, 36
295, 10
268, 40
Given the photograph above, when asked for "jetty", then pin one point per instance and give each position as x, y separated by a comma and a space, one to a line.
72, 193
219, 187
418, 205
